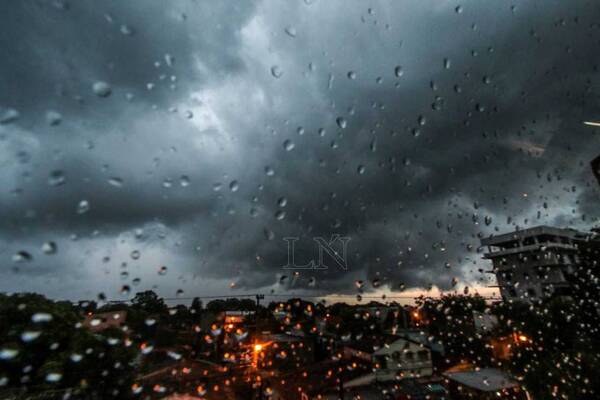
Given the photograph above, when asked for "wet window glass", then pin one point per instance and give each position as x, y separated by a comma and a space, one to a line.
310, 199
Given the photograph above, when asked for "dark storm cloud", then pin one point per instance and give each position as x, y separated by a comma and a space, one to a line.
426, 162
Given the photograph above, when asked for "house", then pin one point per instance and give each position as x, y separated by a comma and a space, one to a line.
436, 347
393, 358
402, 358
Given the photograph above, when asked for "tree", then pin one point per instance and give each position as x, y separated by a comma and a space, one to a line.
450, 320
561, 357
149, 302
45, 348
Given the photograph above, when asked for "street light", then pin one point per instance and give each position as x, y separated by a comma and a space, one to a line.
523, 338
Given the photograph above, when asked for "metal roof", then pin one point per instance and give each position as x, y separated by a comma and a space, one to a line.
485, 380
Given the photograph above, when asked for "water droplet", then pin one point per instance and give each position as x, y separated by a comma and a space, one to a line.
276, 71
53, 118
360, 169
101, 89
115, 181
351, 75
22, 256
269, 171
169, 60
234, 186
184, 181
29, 336
83, 207
269, 235
398, 71
41, 317
49, 248
282, 202
126, 30
288, 145
447, 63
57, 178
8, 115
341, 122
458, 9
135, 254
8, 354
280, 215
291, 31
162, 270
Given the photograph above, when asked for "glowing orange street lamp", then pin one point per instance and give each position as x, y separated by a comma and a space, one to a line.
523, 338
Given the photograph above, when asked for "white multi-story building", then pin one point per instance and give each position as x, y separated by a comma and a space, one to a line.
536, 263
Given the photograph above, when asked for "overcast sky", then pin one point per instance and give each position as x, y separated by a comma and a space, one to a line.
196, 135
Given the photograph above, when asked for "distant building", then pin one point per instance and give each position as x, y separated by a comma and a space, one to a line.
97, 322
535, 263
236, 317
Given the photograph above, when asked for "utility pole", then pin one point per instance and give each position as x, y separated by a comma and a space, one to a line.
259, 297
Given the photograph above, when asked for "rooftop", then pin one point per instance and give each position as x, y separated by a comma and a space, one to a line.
485, 380
531, 232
